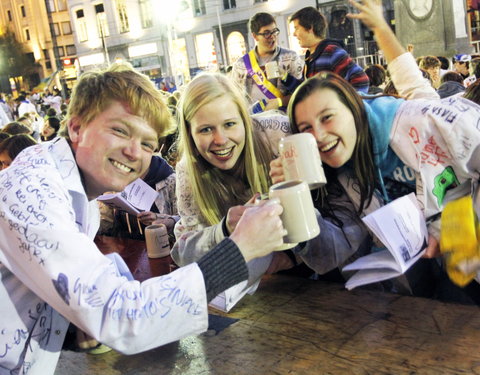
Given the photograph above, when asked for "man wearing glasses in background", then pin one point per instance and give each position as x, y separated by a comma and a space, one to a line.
249, 70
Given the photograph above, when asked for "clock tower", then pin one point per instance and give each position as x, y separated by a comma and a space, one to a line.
434, 27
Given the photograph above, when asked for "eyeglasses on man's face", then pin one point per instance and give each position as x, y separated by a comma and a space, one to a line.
268, 34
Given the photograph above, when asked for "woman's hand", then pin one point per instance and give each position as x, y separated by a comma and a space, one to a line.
433, 248
259, 231
168, 220
146, 217
370, 13
235, 213
280, 262
276, 171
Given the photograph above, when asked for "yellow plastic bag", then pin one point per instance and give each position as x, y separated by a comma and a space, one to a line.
459, 236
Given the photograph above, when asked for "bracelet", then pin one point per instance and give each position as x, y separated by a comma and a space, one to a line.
280, 103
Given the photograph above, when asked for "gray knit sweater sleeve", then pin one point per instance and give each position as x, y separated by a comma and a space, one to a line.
222, 268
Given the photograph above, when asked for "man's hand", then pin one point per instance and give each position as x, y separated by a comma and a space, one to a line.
276, 171
259, 231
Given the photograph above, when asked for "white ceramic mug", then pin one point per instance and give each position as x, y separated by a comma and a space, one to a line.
156, 238
298, 215
301, 159
272, 70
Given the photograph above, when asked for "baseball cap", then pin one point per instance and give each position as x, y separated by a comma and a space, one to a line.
462, 58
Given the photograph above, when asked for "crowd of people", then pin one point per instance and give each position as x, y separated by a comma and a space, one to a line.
209, 150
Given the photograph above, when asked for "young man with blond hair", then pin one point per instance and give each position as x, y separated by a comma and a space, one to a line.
51, 271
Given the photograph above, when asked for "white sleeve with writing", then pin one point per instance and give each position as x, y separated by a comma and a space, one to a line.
42, 245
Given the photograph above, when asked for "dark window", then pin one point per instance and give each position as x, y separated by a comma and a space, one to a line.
229, 4
30, 57
9, 15
48, 64
80, 13
61, 51
71, 50
22, 10
199, 7
27, 34
99, 8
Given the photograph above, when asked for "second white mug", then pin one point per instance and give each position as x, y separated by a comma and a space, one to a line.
301, 159
298, 215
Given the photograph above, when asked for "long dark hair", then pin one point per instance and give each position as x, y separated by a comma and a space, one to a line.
362, 158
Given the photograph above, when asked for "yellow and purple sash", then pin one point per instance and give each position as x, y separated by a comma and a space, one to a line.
254, 71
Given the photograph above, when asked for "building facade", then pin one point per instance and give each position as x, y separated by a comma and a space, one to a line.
120, 30
177, 39
46, 37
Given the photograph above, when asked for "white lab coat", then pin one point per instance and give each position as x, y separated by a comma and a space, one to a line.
52, 272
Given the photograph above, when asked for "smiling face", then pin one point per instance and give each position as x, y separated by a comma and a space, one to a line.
331, 123
266, 45
218, 132
306, 38
113, 150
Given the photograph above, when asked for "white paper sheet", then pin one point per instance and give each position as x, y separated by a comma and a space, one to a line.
400, 225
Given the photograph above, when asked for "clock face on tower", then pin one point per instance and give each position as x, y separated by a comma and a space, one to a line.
420, 8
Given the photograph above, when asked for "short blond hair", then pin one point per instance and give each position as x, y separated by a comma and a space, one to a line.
96, 90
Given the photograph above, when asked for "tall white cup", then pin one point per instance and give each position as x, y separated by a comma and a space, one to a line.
156, 238
301, 159
272, 70
298, 215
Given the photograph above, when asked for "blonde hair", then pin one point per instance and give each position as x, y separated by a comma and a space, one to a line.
213, 190
96, 90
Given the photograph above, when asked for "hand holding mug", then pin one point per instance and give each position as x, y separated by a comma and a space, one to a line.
276, 171
235, 213
280, 262
146, 217
301, 159
259, 231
